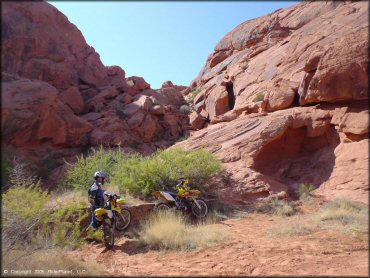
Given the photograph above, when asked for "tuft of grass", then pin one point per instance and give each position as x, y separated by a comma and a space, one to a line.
51, 259
260, 96
276, 207
305, 191
166, 230
289, 230
345, 215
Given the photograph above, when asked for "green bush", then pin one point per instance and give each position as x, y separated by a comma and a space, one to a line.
80, 174
142, 175
28, 223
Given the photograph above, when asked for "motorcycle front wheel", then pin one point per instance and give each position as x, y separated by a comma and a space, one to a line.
108, 233
199, 212
162, 206
122, 220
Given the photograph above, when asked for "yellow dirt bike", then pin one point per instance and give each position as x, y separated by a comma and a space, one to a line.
186, 200
114, 215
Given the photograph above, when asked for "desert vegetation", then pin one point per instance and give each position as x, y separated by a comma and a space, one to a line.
345, 215
33, 225
276, 207
139, 175
305, 191
166, 230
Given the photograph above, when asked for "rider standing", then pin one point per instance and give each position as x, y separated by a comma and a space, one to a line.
96, 196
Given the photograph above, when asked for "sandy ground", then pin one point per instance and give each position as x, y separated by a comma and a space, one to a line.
249, 251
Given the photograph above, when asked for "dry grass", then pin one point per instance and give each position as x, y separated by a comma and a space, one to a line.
169, 230
305, 191
49, 260
63, 199
345, 215
276, 207
289, 230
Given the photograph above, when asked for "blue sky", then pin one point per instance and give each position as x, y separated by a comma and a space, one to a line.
160, 40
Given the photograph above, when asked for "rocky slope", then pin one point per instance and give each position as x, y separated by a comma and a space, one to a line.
283, 100
58, 99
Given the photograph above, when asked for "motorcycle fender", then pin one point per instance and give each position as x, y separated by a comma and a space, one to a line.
168, 197
100, 211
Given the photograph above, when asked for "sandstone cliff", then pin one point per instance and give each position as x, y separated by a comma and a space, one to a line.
283, 100
59, 99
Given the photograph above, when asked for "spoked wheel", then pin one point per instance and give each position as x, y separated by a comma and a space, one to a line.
108, 231
162, 206
122, 220
201, 211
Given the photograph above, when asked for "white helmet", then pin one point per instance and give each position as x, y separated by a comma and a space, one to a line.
100, 174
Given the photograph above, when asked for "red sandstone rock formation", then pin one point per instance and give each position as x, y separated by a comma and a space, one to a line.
57, 93
258, 79
283, 100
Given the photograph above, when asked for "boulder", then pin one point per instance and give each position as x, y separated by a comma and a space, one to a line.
196, 120
355, 123
22, 124
72, 97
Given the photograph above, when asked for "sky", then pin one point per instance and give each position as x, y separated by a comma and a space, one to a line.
160, 40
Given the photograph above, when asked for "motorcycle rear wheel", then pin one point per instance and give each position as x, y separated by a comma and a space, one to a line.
108, 233
122, 220
199, 212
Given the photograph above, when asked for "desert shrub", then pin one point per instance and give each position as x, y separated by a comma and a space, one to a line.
185, 109
277, 207
305, 191
142, 175
80, 174
345, 215
19, 173
289, 230
29, 225
260, 96
169, 230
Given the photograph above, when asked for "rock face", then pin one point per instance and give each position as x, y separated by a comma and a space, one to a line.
57, 94
283, 100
